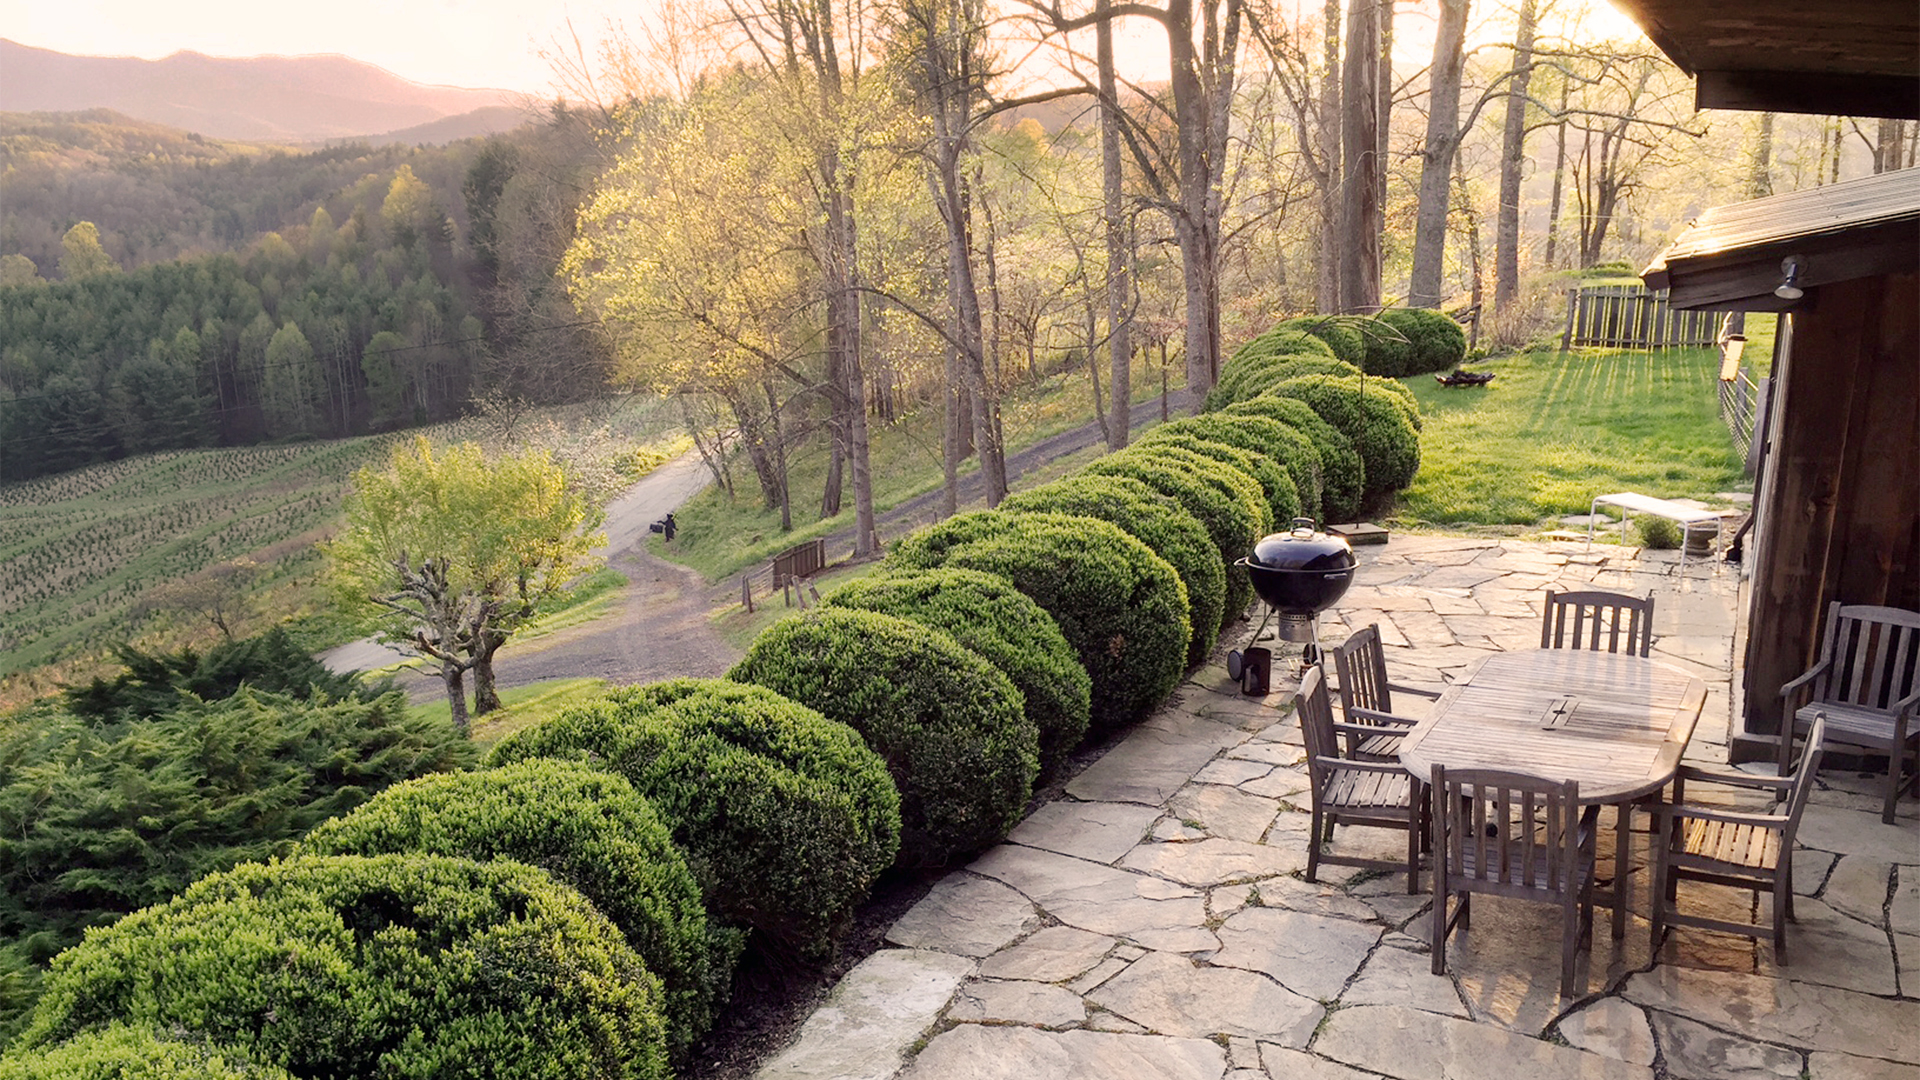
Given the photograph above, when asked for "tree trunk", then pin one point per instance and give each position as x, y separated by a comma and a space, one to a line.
1559, 177
1760, 177
485, 698
1360, 212
780, 458
1327, 299
453, 674
1426, 287
1886, 148
1464, 202
1513, 159
1119, 251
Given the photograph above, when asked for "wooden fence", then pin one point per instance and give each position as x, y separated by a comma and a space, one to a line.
791, 572
1634, 317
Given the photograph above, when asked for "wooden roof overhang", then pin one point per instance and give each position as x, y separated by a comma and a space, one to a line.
1834, 58
1729, 258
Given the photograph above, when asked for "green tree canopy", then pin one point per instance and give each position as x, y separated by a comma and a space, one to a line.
81, 255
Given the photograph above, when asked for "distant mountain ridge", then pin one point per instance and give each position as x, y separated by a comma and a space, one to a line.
297, 99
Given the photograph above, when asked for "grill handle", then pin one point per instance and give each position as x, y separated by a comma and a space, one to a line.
1302, 526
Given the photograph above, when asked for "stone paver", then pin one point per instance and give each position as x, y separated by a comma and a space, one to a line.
1100, 831
1413, 1045
1176, 996
966, 915
970, 1052
1155, 922
872, 1017
1697, 1052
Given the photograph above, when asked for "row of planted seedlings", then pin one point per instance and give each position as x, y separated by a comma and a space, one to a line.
577, 906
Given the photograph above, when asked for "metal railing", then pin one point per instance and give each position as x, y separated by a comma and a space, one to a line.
1742, 401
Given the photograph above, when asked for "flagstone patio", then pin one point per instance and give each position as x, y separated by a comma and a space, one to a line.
1153, 922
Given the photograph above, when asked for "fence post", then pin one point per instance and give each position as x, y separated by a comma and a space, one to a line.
746, 591
1573, 301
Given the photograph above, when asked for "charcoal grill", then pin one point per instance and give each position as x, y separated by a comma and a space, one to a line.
1299, 573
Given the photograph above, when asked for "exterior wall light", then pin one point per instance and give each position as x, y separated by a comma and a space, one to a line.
1789, 288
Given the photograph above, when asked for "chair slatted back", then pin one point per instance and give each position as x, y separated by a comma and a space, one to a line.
1597, 621
1363, 671
1316, 724
1875, 652
1506, 833
1803, 774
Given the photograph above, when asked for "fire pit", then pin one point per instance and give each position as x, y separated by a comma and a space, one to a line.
1299, 573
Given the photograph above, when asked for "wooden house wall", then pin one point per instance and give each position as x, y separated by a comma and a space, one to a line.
1842, 515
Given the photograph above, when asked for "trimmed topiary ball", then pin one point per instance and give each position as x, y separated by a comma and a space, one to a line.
1156, 521
989, 616
1373, 418
926, 548
1276, 341
129, 1052
1434, 341
1389, 353
1121, 607
1282, 499
1289, 447
1342, 472
1223, 499
951, 728
588, 828
1340, 332
785, 817
1254, 376
395, 965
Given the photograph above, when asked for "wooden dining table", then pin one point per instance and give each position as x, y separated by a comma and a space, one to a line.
1614, 723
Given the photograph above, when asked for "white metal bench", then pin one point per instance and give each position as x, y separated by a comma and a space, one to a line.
1687, 516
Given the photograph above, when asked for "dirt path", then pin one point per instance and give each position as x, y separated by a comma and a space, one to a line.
661, 630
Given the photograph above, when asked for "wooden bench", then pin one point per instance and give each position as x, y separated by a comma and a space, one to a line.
1687, 516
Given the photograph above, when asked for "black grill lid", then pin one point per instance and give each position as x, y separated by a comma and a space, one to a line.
1303, 548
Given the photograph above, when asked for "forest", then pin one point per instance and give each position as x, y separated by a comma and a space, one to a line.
218, 294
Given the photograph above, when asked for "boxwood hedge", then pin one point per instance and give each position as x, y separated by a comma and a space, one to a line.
1156, 521
1277, 341
786, 817
1281, 497
1388, 351
988, 615
1253, 374
586, 827
1121, 607
927, 547
1373, 418
1223, 499
129, 1052
394, 965
1343, 475
1286, 445
1434, 341
951, 728
1342, 334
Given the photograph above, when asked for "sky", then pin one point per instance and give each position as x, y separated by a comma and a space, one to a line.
472, 43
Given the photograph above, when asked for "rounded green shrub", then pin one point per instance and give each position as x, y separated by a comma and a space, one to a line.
1224, 500
1372, 418
1340, 332
1342, 473
1156, 521
1276, 487
393, 965
1121, 607
1285, 445
1658, 533
127, 1052
1434, 341
1253, 376
1389, 353
926, 548
785, 817
991, 617
951, 728
1277, 341
586, 827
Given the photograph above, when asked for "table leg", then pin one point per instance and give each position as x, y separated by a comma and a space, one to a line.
1622, 845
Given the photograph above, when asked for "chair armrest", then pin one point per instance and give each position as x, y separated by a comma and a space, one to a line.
1666, 811
1374, 720
1805, 677
1733, 779
1430, 695
1906, 704
1351, 765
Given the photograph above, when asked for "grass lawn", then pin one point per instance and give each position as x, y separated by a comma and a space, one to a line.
1553, 431
521, 707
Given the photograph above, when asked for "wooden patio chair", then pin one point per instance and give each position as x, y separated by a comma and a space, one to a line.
1745, 850
1366, 697
1867, 683
1597, 621
1508, 834
1349, 791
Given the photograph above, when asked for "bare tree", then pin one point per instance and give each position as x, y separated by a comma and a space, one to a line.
1361, 214
1444, 132
1513, 156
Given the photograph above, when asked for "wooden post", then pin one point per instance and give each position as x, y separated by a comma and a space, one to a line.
1573, 302
746, 592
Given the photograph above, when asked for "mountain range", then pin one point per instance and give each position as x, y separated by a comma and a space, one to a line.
280, 99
